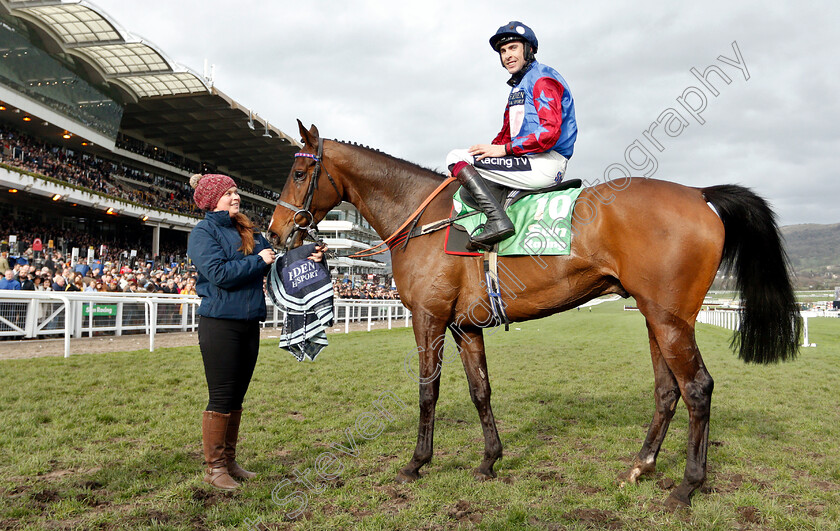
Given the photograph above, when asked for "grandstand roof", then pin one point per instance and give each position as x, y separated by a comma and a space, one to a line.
213, 127
165, 103
136, 66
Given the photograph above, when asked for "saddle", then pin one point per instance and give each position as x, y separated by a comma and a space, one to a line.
508, 196
458, 234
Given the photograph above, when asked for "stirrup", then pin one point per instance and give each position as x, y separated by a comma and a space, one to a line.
476, 246
473, 245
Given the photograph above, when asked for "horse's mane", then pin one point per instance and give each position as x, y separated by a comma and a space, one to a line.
392, 158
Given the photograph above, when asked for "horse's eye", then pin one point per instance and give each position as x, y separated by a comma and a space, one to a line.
299, 175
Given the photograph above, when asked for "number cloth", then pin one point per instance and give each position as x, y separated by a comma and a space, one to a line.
542, 223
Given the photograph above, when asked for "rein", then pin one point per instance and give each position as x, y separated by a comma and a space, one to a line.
390, 239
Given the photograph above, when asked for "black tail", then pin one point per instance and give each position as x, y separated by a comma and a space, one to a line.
752, 250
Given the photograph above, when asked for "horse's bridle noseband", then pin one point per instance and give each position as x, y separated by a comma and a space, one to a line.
309, 227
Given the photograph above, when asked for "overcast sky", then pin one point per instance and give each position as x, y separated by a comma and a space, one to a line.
418, 79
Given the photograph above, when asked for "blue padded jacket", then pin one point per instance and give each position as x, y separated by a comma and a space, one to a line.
229, 283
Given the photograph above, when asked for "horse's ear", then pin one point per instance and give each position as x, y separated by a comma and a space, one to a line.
303, 132
314, 132
309, 137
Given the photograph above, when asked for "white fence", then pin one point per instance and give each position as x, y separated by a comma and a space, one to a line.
731, 320
356, 311
43, 314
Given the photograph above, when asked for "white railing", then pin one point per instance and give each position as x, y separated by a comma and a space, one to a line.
731, 319
348, 311
41, 314
369, 310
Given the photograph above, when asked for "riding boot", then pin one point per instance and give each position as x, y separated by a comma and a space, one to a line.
498, 226
213, 431
231, 439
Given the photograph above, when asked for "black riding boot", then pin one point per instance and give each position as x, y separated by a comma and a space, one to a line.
498, 225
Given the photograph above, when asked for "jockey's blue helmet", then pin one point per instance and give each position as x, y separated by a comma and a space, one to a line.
514, 31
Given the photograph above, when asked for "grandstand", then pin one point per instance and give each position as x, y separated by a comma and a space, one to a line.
100, 131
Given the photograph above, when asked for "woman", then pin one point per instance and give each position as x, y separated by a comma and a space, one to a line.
231, 264
231, 260
189, 289
46, 283
78, 282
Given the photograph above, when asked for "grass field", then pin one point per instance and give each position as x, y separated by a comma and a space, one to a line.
113, 441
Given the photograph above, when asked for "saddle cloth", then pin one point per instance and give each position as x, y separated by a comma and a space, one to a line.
542, 219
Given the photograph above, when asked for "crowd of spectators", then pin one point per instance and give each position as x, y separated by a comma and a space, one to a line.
153, 152
346, 289
88, 171
256, 190
173, 159
53, 272
109, 177
111, 248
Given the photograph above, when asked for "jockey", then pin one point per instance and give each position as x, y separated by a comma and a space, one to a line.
537, 137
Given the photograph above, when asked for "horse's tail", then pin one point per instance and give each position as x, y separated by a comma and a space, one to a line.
753, 252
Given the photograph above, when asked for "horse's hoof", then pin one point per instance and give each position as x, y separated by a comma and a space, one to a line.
406, 476
634, 473
483, 475
675, 503
628, 477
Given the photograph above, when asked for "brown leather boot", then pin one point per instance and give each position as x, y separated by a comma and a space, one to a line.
213, 430
230, 447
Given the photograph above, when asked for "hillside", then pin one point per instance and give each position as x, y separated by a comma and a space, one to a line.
814, 252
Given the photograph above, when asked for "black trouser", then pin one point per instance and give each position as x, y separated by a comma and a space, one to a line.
229, 348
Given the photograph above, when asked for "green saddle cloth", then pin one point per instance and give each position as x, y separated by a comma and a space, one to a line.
542, 223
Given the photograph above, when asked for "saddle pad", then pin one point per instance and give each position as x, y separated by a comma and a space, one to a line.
542, 223
456, 241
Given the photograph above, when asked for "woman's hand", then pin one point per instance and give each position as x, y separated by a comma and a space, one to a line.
318, 255
267, 255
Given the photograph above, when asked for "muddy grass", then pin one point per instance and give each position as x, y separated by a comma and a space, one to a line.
113, 441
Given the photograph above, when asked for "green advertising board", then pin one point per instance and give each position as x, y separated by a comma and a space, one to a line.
99, 310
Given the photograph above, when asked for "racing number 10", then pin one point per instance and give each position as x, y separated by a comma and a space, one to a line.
558, 207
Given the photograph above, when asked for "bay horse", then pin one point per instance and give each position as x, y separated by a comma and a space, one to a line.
656, 241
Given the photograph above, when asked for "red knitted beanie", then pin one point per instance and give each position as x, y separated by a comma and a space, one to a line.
210, 188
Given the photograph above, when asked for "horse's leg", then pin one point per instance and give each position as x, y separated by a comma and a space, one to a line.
679, 350
429, 333
470, 343
666, 395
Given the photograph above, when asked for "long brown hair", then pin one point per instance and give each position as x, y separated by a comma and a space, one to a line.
246, 231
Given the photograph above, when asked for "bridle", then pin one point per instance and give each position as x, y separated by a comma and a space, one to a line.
309, 225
